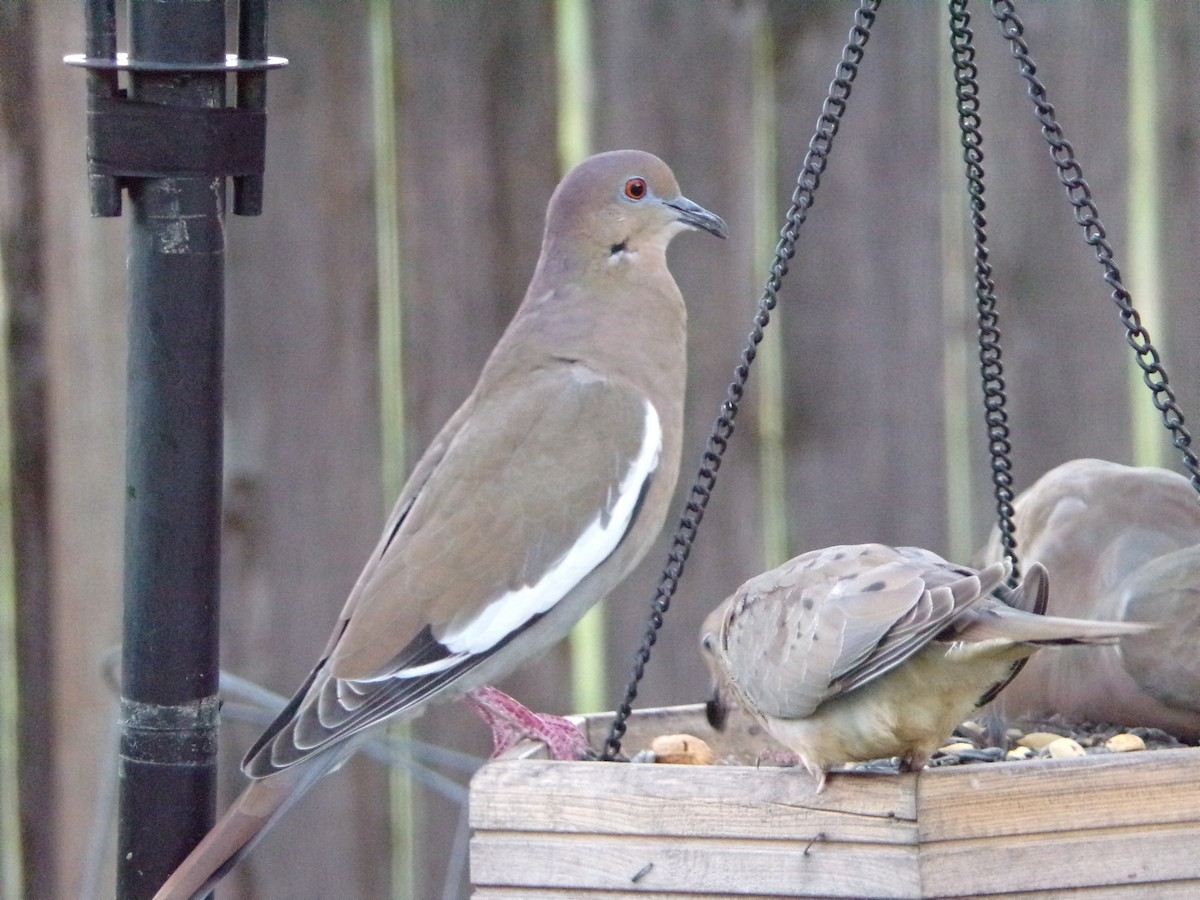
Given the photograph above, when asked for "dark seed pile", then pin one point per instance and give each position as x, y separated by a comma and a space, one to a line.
987, 741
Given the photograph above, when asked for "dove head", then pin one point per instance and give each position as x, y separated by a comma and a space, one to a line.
618, 207
716, 709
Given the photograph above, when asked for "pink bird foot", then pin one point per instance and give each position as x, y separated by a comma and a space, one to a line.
511, 722
782, 758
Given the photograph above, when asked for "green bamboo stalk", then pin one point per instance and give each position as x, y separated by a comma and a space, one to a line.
573, 58
403, 805
769, 369
1144, 213
11, 880
961, 400
387, 250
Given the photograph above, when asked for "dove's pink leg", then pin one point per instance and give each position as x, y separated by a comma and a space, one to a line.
510, 722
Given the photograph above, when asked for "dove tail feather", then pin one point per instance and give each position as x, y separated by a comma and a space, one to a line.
1078, 631
1027, 628
257, 808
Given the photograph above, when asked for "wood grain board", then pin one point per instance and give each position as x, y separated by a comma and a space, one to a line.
1102, 827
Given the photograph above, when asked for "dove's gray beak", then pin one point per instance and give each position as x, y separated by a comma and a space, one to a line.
697, 216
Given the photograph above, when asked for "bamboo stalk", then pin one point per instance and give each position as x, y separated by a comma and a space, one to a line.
1144, 212
776, 543
11, 863
960, 391
390, 300
573, 55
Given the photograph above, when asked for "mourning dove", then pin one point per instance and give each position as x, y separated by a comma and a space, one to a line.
1121, 543
864, 651
538, 496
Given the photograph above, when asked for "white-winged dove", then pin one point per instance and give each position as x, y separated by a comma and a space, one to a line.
1121, 543
538, 496
863, 652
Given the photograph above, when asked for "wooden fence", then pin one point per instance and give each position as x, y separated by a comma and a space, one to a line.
879, 429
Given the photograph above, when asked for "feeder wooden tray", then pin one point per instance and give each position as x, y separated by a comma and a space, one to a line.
1097, 827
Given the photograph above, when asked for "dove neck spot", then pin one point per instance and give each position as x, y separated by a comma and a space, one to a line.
621, 252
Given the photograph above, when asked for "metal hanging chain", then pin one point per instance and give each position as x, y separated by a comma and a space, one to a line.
1079, 194
966, 92
815, 160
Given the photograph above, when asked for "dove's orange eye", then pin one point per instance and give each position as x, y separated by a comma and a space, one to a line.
635, 188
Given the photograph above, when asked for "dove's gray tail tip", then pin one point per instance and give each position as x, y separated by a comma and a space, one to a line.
220, 850
1061, 631
253, 813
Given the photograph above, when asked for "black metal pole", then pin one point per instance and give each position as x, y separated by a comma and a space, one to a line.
169, 701
101, 27
251, 94
171, 141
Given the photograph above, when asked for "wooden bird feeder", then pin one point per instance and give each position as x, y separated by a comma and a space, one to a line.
1096, 827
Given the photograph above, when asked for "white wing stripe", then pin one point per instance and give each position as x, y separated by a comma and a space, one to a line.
508, 612
430, 668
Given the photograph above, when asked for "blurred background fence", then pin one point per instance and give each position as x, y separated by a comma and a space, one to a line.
412, 148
